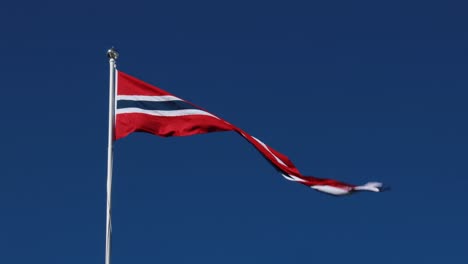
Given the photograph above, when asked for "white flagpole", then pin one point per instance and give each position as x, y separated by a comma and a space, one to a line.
112, 55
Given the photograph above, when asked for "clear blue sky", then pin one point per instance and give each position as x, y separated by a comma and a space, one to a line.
352, 90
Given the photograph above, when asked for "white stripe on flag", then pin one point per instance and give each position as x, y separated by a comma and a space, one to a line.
370, 186
265, 146
161, 98
292, 178
330, 189
185, 112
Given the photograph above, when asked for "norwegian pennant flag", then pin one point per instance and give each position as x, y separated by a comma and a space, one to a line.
141, 107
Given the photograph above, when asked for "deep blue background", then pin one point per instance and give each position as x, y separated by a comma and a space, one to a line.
352, 90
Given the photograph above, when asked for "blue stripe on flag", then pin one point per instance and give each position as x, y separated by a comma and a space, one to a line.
149, 105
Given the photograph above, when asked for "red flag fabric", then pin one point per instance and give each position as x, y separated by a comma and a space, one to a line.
142, 107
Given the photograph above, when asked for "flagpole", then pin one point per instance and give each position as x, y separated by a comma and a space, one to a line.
112, 54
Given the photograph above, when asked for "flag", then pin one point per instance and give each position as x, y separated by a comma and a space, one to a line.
142, 107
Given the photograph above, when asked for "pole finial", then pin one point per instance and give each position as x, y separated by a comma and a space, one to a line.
112, 53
